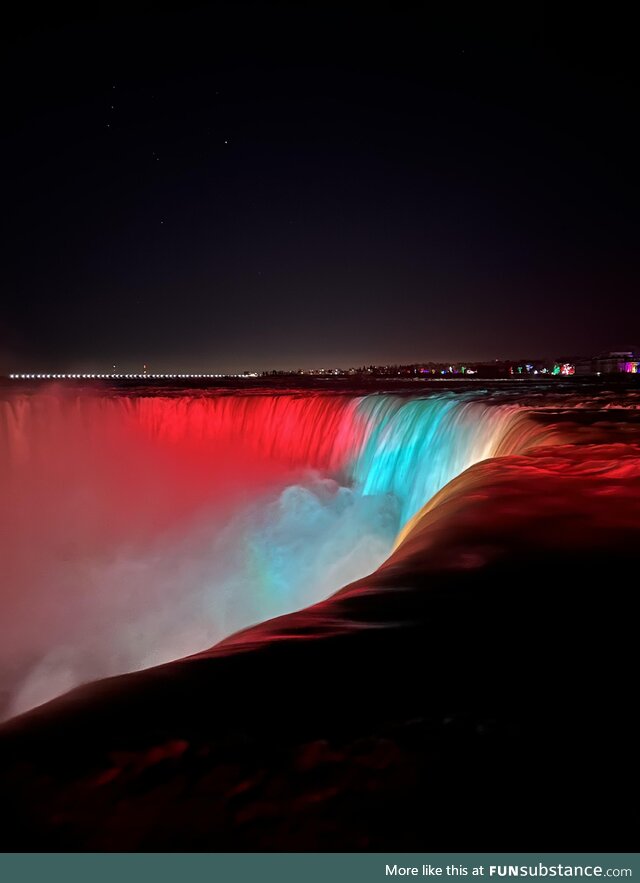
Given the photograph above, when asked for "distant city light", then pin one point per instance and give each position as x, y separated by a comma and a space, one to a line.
627, 362
131, 376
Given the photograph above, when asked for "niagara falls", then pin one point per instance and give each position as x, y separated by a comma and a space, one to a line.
253, 565
319, 441
164, 524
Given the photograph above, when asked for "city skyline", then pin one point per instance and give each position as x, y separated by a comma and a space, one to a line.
209, 367
605, 362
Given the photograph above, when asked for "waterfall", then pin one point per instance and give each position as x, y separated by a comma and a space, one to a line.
135, 529
406, 446
412, 447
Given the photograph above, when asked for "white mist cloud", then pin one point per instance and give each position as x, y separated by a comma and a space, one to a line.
204, 581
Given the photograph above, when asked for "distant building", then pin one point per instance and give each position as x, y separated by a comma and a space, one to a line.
615, 362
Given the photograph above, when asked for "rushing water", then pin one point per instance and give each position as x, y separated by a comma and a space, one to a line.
140, 528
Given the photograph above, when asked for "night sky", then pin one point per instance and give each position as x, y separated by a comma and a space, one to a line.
250, 186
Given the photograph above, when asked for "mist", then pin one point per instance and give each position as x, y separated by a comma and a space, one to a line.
124, 548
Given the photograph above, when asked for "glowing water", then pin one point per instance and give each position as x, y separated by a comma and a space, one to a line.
413, 447
138, 529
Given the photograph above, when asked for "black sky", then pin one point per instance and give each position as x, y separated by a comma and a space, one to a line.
248, 186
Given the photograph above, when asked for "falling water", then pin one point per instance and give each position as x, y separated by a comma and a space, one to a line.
136, 529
